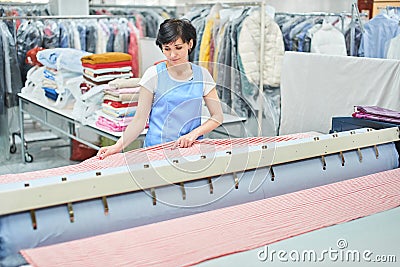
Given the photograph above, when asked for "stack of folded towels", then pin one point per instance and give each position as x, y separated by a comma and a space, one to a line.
49, 84
61, 65
119, 104
105, 67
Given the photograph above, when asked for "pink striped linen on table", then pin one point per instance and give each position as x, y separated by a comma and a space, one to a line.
145, 155
193, 239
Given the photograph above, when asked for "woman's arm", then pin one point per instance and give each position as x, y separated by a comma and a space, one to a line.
135, 127
216, 118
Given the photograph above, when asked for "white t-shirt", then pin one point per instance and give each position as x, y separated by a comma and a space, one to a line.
149, 80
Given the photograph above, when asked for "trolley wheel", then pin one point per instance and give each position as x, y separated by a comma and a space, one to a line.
13, 148
28, 157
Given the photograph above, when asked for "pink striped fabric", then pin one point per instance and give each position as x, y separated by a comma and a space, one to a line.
190, 240
145, 155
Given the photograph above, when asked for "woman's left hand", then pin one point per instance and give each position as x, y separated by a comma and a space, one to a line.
185, 141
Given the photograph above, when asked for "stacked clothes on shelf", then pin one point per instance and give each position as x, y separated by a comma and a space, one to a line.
60, 66
120, 100
113, 112
102, 68
49, 84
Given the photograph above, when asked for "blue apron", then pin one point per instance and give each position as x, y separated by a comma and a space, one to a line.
176, 108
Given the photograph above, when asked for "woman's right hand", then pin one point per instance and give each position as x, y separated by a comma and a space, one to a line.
108, 150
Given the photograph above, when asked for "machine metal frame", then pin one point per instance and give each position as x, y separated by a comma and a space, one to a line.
148, 177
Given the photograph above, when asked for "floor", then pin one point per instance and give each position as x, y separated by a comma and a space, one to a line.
45, 154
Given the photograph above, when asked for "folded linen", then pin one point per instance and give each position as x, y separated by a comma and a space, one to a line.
123, 121
62, 58
109, 125
120, 64
107, 77
106, 58
121, 91
121, 97
120, 104
376, 113
92, 72
124, 83
126, 112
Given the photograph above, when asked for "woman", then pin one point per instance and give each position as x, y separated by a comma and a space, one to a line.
171, 95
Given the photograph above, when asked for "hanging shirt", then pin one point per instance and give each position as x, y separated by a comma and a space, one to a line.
177, 105
328, 40
394, 48
377, 35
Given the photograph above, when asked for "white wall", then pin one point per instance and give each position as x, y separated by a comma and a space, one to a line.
289, 5
280, 5
69, 7
145, 2
311, 5
78, 7
25, 1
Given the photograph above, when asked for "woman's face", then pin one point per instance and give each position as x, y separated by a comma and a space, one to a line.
176, 52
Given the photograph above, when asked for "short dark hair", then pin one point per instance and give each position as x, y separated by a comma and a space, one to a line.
173, 29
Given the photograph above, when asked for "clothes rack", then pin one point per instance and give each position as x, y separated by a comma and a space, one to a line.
70, 17
168, 9
354, 12
340, 15
355, 16
21, 68
227, 4
388, 8
262, 5
65, 17
28, 8
129, 6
